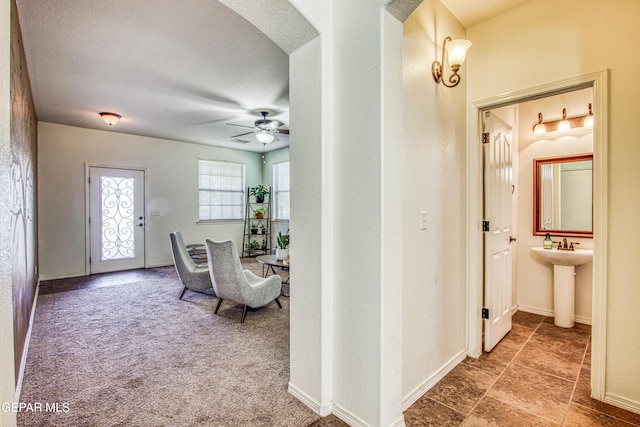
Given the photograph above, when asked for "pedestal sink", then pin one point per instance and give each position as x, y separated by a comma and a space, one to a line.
564, 280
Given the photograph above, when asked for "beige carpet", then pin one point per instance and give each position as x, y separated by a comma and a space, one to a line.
135, 355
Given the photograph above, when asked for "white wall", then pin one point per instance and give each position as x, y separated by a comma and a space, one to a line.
547, 41
172, 185
535, 278
434, 170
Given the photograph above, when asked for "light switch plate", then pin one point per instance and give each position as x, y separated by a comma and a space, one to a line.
423, 220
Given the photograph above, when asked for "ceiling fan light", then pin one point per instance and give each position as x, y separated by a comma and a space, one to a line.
265, 136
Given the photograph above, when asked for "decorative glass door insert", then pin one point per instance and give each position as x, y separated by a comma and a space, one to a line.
116, 220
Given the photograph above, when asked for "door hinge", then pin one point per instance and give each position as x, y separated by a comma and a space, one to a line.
485, 137
485, 225
485, 313
89, 260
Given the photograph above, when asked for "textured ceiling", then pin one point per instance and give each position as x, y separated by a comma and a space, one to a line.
472, 12
175, 70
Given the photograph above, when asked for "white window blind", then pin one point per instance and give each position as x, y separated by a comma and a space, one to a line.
220, 190
281, 190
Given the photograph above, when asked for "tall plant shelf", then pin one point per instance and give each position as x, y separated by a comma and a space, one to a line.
257, 231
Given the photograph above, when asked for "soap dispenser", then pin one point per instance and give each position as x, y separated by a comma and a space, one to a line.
548, 243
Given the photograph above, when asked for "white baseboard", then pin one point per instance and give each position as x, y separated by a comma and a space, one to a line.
417, 393
582, 319
354, 421
622, 402
535, 310
348, 417
159, 265
25, 349
549, 313
322, 410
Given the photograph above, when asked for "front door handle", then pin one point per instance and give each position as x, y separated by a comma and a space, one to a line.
512, 239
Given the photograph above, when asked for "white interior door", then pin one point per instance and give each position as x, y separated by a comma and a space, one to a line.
116, 219
497, 239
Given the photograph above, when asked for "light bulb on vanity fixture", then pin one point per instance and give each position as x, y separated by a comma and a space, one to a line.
588, 121
110, 118
564, 125
539, 128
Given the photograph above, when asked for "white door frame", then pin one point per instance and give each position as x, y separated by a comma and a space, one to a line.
599, 83
87, 208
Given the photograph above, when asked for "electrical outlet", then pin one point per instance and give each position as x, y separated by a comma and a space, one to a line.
423, 220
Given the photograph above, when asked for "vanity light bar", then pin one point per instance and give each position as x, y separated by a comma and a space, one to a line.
584, 121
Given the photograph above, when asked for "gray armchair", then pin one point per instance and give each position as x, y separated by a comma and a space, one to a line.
231, 283
193, 276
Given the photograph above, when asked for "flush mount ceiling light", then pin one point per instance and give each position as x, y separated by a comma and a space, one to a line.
456, 54
110, 118
565, 124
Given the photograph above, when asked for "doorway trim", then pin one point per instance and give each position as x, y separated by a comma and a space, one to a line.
87, 209
598, 81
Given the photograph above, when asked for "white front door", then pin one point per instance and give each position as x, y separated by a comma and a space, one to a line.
497, 238
116, 219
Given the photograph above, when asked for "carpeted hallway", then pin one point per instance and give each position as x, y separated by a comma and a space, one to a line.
123, 350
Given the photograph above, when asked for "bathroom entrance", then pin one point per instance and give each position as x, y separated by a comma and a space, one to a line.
532, 289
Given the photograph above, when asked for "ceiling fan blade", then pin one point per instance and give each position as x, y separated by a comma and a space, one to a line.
282, 131
242, 126
240, 134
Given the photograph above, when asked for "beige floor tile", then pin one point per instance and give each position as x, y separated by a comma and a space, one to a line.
538, 393
462, 388
426, 412
496, 361
579, 416
491, 412
528, 320
553, 357
578, 335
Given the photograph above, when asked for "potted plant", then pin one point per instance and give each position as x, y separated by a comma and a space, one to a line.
258, 213
252, 245
263, 230
254, 228
259, 192
282, 251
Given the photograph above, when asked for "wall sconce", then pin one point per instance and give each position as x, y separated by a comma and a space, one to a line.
110, 118
564, 124
456, 54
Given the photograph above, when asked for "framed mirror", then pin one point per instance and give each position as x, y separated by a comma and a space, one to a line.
563, 196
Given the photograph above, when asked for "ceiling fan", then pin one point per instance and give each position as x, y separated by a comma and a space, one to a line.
265, 129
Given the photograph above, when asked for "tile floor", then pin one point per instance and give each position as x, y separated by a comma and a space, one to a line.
538, 375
